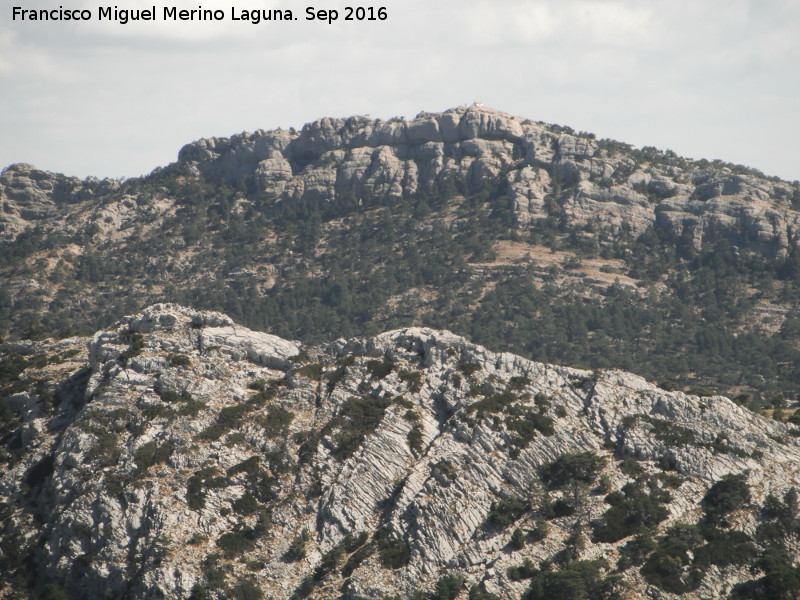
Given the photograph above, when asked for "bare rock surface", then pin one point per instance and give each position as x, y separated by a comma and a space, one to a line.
191, 453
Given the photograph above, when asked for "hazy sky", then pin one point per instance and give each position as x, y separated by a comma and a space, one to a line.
705, 78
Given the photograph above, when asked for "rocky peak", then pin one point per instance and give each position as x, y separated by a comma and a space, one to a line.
544, 169
30, 195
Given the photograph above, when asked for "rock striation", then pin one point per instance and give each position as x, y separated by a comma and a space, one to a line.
192, 457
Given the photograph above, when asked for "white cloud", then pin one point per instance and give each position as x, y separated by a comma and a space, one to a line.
109, 99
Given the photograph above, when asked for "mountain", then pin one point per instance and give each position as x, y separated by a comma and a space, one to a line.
177, 454
519, 235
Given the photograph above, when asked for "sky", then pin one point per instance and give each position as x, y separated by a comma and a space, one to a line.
714, 79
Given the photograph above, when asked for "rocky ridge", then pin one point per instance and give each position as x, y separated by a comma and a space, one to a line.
547, 171
192, 457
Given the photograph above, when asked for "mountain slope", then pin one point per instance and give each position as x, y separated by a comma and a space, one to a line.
520, 235
193, 457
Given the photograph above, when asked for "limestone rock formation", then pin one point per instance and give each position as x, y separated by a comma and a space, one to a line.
193, 457
547, 172
610, 185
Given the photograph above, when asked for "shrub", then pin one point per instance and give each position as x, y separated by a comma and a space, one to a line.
524, 571
446, 469
358, 418
507, 511
246, 504
251, 466
330, 560
158, 411
725, 548
412, 378
258, 385
478, 592
670, 433
393, 553
635, 552
725, 496
198, 483
358, 557
135, 348
170, 396
151, 453
493, 403
468, 368
448, 587
379, 369
519, 382
665, 568
563, 508
277, 421
196, 539
631, 468
517, 541
236, 542
340, 373
297, 549
539, 531
228, 418
415, 438
632, 511
191, 408
179, 360
781, 578
568, 468
526, 424
245, 590
580, 580
542, 401
53, 592
312, 371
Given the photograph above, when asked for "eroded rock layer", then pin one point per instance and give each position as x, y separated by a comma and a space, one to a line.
192, 457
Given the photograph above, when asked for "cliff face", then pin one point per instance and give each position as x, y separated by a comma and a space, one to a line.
610, 185
545, 173
192, 456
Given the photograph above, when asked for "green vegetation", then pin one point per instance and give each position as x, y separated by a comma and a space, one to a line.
358, 418
517, 541
236, 542
524, 571
674, 435
198, 484
151, 453
179, 360
446, 469
135, 349
342, 262
448, 587
229, 417
412, 378
358, 557
632, 511
415, 438
568, 468
725, 496
507, 511
379, 368
579, 580
393, 553
297, 549
276, 422
525, 423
